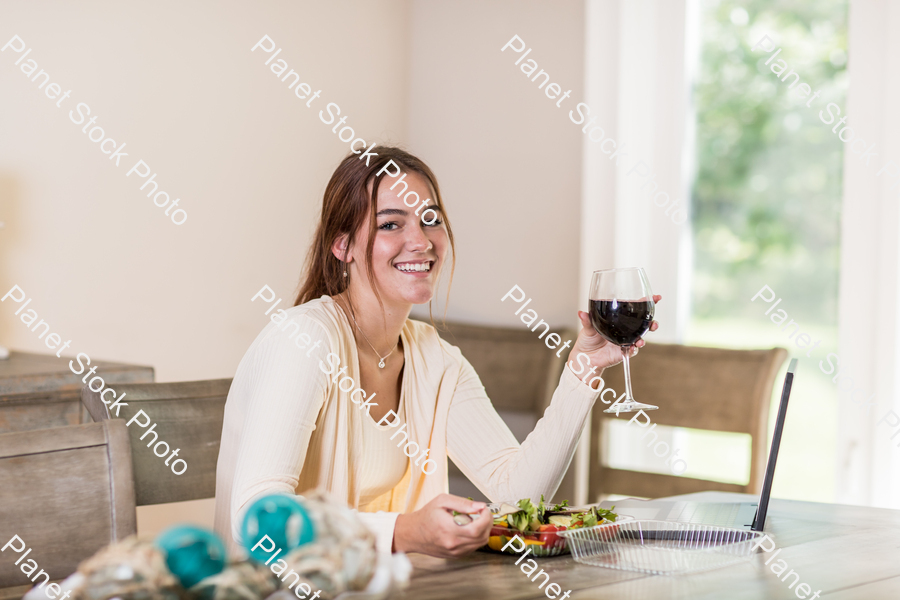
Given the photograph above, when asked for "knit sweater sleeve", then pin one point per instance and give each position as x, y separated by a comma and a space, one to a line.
485, 450
284, 390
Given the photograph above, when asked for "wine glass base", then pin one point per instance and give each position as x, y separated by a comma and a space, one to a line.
629, 406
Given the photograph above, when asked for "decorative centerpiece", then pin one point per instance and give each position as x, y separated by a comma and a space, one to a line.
322, 548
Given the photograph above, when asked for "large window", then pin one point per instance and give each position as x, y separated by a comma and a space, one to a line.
766, 209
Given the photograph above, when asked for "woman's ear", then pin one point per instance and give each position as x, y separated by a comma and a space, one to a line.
341, 248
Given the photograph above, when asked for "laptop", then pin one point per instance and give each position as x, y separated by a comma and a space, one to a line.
750, 516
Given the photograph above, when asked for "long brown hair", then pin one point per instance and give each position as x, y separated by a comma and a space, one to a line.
344, 208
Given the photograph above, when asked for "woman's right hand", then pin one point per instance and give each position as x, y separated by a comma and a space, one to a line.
431, 529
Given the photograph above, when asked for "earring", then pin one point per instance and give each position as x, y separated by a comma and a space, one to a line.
345, 272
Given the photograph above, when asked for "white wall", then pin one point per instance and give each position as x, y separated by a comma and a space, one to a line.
177, 82
249, 161
508, 160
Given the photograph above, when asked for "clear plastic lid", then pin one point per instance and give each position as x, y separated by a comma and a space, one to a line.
660, 547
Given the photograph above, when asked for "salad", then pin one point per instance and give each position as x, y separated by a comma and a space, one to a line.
538, 526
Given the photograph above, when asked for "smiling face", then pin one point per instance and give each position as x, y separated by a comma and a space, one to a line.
407, 254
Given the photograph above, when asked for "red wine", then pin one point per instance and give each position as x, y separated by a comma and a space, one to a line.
622, 322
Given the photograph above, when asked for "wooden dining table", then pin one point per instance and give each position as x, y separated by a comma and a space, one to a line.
847, 552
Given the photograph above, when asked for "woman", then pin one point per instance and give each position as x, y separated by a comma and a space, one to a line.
343, 391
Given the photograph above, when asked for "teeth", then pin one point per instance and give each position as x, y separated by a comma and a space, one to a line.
420, 267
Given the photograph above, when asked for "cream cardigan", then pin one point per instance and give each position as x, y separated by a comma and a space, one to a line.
288, 428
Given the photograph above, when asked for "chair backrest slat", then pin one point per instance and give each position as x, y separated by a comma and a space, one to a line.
701, 388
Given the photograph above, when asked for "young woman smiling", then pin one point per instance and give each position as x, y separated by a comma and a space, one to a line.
289, 428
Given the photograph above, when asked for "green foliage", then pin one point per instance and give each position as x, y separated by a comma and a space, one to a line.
766, 200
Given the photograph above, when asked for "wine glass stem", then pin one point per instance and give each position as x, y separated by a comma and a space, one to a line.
628, 395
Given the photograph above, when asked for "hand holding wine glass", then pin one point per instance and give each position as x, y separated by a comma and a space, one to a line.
601, 352
622, 308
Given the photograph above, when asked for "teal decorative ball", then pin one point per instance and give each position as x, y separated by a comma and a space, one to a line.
192, 553
280, 517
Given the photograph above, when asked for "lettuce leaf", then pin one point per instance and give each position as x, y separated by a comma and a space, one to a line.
593, 517
527, 518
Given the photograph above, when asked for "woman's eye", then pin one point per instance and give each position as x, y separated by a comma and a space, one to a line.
437, 223
389, 226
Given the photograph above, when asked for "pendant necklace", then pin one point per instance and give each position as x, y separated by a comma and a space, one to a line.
381, 362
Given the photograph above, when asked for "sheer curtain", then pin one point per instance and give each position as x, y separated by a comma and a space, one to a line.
868, 469
638, 59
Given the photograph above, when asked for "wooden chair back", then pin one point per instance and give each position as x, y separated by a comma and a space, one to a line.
701, 388
188, 416
39, 391
66, 492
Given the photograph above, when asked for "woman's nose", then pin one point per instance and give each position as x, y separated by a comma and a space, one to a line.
417, 240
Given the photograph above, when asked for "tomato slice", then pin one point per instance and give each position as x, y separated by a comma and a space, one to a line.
547, 534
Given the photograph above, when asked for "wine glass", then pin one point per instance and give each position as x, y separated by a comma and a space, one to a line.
621, 308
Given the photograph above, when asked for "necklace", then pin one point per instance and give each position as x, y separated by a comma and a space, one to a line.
381, 362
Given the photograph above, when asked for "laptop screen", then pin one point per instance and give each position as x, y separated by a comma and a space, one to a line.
760, 521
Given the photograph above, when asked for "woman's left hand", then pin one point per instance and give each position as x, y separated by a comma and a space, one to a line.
602, 353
